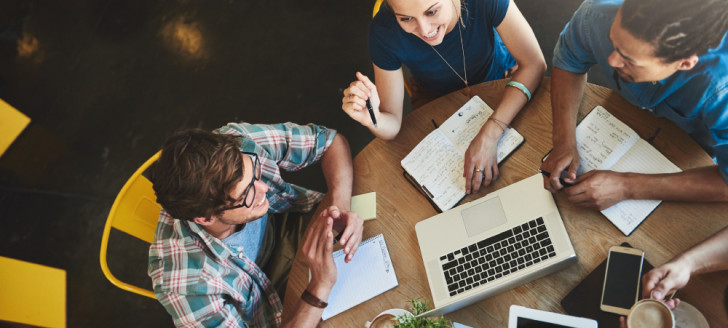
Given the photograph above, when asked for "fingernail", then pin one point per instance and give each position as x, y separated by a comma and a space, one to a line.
343, 241
657, 295
347, 250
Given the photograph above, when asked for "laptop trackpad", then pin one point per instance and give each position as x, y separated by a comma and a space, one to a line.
484, 216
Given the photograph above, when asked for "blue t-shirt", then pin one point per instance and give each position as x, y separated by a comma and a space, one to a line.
696, 100
486, 56
248, 240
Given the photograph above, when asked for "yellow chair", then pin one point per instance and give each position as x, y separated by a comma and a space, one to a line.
32, 294
377, 5
135, 212
12, 123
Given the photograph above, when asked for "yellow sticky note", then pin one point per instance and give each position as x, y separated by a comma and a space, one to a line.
365, 205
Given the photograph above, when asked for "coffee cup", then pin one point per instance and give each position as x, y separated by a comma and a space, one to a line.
386, 319
650, 313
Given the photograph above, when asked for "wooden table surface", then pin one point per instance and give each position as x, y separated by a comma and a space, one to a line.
670, 229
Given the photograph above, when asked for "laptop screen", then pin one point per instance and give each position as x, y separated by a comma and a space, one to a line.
523, 317
530, 323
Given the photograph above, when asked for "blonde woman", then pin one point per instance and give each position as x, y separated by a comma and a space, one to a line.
448, 45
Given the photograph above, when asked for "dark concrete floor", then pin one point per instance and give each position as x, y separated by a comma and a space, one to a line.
106, 81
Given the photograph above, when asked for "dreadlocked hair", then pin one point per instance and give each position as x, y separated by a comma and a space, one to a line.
677, 29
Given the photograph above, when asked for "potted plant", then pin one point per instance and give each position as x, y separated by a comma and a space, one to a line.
419, 307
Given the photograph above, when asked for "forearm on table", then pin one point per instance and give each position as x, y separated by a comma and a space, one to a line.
709, 255
307, 315
567, 90
703, 184
338, 171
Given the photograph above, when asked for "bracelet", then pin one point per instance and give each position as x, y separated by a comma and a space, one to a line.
313, 300
521, 87
499, 123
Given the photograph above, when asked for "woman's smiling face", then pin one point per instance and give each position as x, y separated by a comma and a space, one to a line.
430, 20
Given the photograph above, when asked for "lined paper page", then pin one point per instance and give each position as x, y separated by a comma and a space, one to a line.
369, 274
437, 165
641, 158
601, 139
465, 124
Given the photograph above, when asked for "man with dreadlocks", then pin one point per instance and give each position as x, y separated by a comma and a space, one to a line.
669, 57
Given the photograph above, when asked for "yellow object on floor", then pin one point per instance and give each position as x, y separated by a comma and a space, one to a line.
12, 122
32, 294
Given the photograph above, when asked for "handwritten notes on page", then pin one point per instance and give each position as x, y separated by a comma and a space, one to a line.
436, 163
432, 164
606, 143
602, 139
368, 274
641, 158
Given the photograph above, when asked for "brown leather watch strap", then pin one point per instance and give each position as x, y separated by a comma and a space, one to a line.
313, 300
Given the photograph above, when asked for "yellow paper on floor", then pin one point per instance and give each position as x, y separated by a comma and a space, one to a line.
365, 205
32, 294
12, 122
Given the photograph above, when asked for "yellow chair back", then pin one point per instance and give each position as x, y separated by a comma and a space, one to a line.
135, 212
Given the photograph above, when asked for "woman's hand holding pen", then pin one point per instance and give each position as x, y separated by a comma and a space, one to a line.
355, 97
481, 160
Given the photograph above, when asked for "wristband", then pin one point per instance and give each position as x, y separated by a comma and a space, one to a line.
521, 87
313, 300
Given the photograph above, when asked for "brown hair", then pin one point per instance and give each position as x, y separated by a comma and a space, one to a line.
196, 173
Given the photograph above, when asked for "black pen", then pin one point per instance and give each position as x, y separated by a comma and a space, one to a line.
371, 112
548, 175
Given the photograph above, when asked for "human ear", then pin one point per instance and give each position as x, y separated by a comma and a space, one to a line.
204, 221
686, 64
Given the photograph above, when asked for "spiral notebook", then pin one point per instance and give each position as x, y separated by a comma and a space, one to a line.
435, 165
368, 274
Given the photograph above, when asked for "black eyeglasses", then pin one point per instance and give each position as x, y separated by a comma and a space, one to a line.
247, 200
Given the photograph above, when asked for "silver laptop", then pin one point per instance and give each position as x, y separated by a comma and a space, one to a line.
500, 241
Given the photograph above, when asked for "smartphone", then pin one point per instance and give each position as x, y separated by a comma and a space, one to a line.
621, 279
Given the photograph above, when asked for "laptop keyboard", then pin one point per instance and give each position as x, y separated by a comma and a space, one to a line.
496, 256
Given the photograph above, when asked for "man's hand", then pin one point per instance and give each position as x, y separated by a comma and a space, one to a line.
598, 189
562, 158
318, 248
352, 226
665, 279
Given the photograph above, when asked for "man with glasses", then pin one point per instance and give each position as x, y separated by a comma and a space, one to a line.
230, 225
666, 56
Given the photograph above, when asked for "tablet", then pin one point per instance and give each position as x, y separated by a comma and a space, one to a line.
523, 317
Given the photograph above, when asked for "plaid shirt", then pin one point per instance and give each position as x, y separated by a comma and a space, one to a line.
196, 277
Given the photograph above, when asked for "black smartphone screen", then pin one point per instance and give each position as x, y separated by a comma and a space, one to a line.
623, 276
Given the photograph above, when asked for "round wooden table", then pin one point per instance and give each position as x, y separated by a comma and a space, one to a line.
670, 229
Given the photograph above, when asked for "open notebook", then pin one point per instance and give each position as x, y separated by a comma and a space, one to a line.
606, 143
368, 274
436, 163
